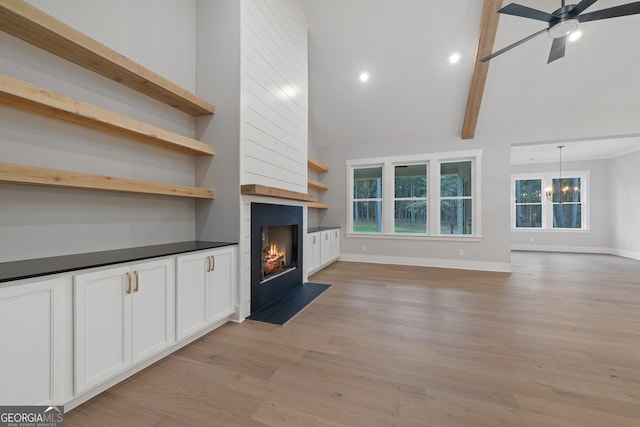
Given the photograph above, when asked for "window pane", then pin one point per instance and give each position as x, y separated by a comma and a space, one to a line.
455, 216
566, 191
411, 181
367, 217
411, 216
529, 216
455, 179
567, 215
529, 191
367, 183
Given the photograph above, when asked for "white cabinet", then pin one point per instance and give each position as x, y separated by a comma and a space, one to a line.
122, 315
334, 238
31, 334
205, 289
313, 251
323, 247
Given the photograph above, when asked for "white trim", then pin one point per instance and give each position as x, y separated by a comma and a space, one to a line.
433, 199
626, 254
547, 207
429, 262
554, 248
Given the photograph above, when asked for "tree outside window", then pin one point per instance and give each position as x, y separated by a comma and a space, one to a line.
410, 202
528, 201
367, 200
455, 198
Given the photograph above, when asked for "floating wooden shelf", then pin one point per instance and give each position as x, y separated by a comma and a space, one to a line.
316, 205
316, 185
316, 165
278, 193
30, 24
27, 97
29, 175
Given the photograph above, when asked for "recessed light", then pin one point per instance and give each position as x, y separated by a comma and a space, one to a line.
364, 76
575, 35
454, 58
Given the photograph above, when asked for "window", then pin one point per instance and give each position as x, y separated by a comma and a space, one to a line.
415, 196
410, 202
528, 203
367, 200
455, 198
532, 209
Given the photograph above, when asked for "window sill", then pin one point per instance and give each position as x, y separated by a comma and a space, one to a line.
442, 238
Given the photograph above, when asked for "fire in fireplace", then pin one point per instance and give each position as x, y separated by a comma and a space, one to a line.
277, 247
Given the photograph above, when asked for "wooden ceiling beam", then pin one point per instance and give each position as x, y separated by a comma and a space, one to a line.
488, 30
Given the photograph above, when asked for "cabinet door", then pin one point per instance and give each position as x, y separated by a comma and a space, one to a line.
313, 252
325, 247
153, 320
191, 293
335, 243
102, 326
31, 336
222, 283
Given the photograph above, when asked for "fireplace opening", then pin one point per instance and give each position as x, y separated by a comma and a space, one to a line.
278, 256
276, 252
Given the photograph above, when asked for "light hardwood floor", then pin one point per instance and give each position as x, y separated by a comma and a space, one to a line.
555, 343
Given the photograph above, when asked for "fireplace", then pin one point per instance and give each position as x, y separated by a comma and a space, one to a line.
276, 251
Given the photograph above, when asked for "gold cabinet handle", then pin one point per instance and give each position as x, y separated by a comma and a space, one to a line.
208, 264
137, 281
128, 282
213, 262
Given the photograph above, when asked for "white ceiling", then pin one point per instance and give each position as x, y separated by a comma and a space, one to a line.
591, 95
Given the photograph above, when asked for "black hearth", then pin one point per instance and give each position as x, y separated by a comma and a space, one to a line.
276, 251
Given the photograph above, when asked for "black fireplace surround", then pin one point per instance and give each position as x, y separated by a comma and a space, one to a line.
268, 215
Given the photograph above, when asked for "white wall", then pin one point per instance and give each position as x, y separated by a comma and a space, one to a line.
623, 186
37, 222
274, 94
274, 103
598, 238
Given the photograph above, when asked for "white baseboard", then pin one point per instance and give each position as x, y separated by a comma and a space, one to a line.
577, 249
429, 262
554, 248
626, 254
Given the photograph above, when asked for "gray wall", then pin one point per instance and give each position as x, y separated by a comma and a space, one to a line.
491, 253
623, 187
37, 222
598, 238
218, 79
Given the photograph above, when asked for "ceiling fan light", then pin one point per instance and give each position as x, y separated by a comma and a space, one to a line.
563, 28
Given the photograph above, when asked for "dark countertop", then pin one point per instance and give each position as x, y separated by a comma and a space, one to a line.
316, 229
25, 269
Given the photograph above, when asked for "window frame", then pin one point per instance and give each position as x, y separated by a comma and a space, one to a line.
546, 179
432, 162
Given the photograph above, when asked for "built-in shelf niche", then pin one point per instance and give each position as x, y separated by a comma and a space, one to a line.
32, 25
27, 97
30, 175
317, 185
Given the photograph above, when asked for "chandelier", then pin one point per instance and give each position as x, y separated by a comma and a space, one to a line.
561, 191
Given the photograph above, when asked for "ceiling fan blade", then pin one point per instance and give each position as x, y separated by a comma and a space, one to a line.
558, 48
581, 7
612, 12
518, 43
526, 12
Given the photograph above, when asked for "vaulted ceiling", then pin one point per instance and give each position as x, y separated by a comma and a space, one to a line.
415, 93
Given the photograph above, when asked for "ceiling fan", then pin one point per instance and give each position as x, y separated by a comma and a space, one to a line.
562, 22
